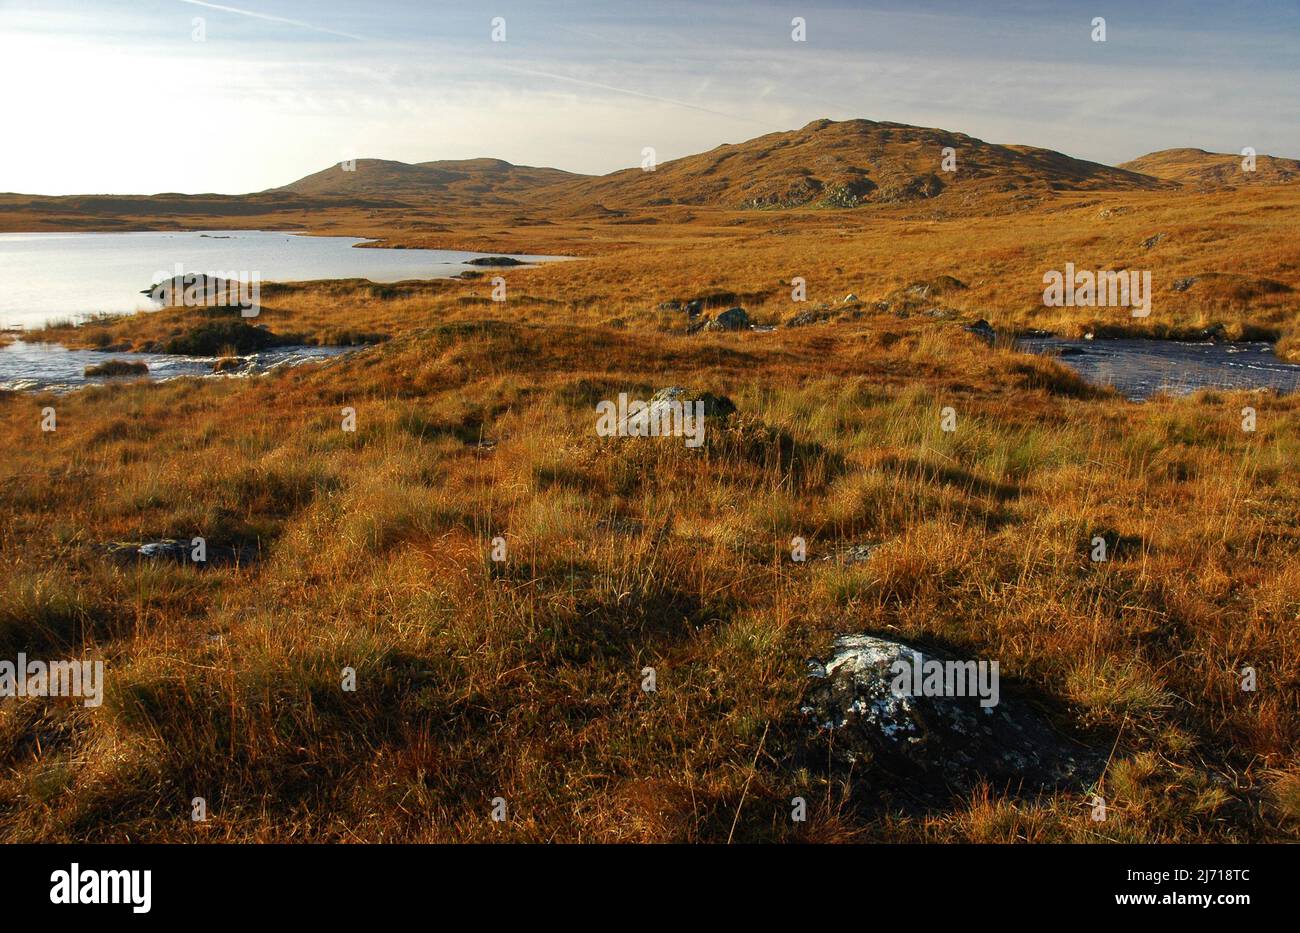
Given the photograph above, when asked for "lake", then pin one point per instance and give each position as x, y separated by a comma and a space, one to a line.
56, 276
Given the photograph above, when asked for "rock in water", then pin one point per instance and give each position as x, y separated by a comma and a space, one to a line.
494, 261
859, 711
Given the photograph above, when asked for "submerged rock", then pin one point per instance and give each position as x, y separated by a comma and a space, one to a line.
861, 710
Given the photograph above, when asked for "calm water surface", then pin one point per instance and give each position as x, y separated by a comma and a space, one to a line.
60, 276
1141, 368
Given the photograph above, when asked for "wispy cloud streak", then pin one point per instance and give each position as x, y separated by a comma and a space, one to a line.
274, 19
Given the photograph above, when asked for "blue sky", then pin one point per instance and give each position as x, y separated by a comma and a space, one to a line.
116, 96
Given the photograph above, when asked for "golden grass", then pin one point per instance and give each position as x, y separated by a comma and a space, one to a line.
522, 679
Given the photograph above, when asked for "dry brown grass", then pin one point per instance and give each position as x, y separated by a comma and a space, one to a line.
521, 679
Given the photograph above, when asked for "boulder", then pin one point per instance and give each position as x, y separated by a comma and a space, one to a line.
731, 319
715, 407
860, 710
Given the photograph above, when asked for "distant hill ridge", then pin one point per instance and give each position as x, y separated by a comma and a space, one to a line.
1203, 169
824, 164
854, 162
437, 182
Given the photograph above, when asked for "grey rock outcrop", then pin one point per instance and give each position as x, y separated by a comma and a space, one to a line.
715, 407
860, 711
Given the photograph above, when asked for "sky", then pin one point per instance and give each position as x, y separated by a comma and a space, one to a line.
148, 96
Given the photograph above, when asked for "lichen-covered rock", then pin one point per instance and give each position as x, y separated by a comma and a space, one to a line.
853, 554
659, 407
861, 710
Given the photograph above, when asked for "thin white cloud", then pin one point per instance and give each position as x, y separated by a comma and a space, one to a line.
274, 19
